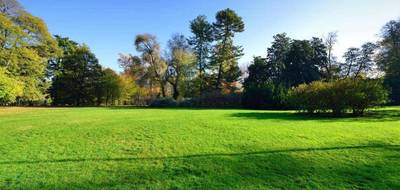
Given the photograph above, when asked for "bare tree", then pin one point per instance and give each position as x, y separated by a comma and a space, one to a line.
330, 42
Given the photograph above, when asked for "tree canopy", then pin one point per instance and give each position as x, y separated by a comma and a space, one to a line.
25, 47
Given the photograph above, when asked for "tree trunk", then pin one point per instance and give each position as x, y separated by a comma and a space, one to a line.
217, 85
162, 85
176, 92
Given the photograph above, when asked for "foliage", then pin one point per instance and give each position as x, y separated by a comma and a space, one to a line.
163, 102
128, 89
359, 62
155, 66
288, 63
180, 65
260, 91
225, 53
303, 62
338, 96
77, 78
25, 47
111, 86
10, 88
201, 41
389, 58
214, 99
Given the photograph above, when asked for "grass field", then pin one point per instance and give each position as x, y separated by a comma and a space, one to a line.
126, 148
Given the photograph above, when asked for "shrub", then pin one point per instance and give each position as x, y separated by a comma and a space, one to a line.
365, 94
268, 96
339, 96
163, 102
214, 100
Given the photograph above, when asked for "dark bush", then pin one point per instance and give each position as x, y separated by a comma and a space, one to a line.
166, 102
339, 96
214, 100
268, 96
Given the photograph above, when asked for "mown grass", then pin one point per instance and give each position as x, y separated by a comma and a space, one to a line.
127, 148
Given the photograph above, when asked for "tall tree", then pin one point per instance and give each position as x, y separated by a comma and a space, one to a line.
359, 61
180, 64
302, 65
135, 70
288, 63
128, 88
348, 67
25, 47
276, 57
260, 91
226, 54
366, 63
331, 68
319, 56
201, 42
111, 86
156, 67
77, 76
389, 58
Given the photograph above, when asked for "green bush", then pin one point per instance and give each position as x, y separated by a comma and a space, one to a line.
207, 100
267, 96
339, 96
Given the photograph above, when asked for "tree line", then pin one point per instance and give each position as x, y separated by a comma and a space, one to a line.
38, 68
290, 63
205, 62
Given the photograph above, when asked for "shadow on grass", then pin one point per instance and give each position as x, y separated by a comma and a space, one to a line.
370, 116
371, 146
276, 169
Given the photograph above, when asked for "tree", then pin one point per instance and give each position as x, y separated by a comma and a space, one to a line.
155, 65
128, 88
77, 76
25, 47
260, 91
331, 68
276, 57
180, 64
226, 54
133, 66
302, 64
288, 63
201, 42
111, 86
366, 64
319, 57
389, 58
359, 61
136, 72
348, 67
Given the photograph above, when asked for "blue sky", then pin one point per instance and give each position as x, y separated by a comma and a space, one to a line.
109, 26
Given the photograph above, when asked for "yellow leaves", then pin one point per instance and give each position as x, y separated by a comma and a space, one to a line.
9, 87
128, 86
25, 47
38, 34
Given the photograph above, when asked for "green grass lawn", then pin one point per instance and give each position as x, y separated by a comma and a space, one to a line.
126, 148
